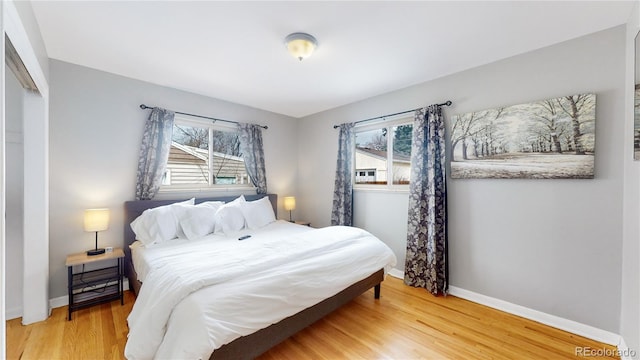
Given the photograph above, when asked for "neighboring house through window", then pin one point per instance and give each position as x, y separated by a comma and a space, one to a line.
365, 176
383, 154
204, 154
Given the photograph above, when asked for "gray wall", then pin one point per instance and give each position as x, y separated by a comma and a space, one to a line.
550, 245
95, 133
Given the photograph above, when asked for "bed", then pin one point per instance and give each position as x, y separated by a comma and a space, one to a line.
255, 341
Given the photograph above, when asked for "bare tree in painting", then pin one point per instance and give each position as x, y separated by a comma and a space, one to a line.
575, 106
547, 124
476, 129
464, 128
493, 141
460, 131
487, 146
568, 139
476, 139
542, 141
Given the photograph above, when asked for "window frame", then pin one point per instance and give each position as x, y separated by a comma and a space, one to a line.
211, 125
389, 123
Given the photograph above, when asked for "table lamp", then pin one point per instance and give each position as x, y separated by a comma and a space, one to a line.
290, 204
96, 220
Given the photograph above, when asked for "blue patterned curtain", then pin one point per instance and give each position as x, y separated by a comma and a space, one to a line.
342, 212
154, 153
253, 155
426, 264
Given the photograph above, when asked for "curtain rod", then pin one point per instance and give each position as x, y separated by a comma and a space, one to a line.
446, 103
144, 107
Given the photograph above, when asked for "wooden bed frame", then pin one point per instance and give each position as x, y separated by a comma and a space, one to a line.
250, 346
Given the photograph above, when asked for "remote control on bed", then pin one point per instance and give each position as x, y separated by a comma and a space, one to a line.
244, 237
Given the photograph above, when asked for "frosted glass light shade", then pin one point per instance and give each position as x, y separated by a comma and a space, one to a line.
300, 45
289, 203
96, 219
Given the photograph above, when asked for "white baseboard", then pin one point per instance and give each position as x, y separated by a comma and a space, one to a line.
59, 302
624, 351
396, 273
571, 326
13, 313
53, 303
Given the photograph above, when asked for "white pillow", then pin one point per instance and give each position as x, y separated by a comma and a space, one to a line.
239, 200
258, 213
211, 204
229, 217
229, 220
179, 211
158, 224
198, 221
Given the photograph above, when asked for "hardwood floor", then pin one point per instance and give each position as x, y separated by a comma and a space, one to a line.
406, 323
99, 332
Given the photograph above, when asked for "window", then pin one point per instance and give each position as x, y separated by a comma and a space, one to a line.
383, 154
204, 154
402, 153
365, 176
166, 177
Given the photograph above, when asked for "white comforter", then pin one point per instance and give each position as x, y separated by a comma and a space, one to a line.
204, 294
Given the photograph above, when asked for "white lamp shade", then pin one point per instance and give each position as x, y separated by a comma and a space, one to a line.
289, 203
96, 219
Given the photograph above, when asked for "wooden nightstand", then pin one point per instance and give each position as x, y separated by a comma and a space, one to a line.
305, 223
88, 288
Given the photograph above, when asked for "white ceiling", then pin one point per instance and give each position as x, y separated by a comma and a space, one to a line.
234, 50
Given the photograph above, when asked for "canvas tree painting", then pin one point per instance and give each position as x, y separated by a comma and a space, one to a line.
548, 139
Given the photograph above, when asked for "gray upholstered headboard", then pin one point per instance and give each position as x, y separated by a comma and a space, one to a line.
133, 209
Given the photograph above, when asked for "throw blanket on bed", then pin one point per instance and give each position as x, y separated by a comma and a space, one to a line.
178, 275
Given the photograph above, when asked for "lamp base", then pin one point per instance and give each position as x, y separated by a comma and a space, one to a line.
94, 252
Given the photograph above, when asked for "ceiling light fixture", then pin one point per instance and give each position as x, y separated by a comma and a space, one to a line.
300, 45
